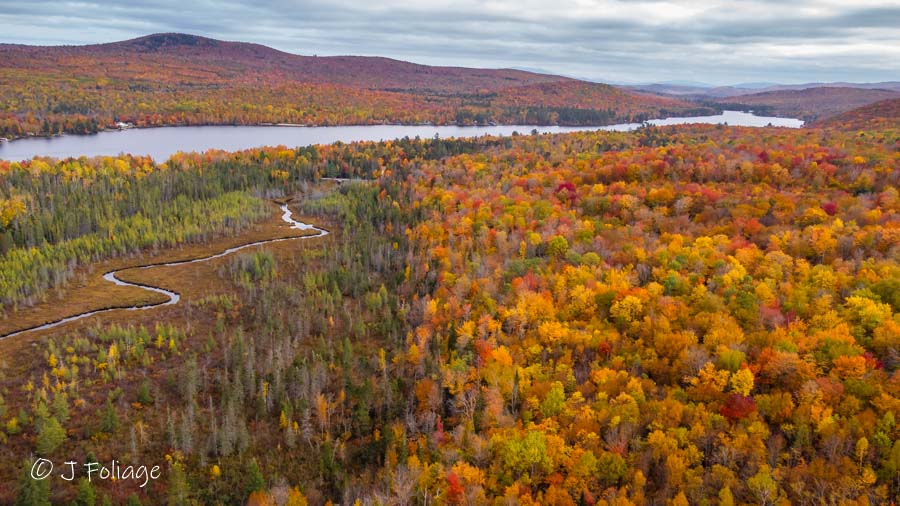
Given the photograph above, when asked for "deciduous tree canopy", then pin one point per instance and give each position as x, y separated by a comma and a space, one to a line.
672, 316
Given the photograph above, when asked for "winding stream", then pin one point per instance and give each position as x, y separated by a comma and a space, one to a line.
174, 297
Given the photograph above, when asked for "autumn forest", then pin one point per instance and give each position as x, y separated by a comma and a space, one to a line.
690, 315
667, 316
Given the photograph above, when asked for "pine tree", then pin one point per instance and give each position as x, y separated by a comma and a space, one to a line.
86, 496
50, 436
255, 480
60, 407
31, 492
109, 420
143, 394
178, 486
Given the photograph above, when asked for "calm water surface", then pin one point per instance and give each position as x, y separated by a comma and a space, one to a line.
161, 143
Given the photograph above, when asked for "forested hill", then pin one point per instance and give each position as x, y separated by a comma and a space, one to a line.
202, 60
176, 79
813, 103
882, 114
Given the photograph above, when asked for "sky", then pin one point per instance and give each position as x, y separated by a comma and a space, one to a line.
618, 41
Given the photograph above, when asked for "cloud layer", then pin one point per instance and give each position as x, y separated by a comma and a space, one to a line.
606, 40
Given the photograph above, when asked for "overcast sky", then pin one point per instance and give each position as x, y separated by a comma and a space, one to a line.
785, 41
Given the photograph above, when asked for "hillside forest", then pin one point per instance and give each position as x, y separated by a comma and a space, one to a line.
178, 79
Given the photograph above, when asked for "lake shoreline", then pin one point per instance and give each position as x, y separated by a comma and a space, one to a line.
161, 142
131, 126
305, 125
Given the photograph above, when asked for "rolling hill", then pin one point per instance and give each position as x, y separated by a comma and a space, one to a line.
884, 114
813, 103
176, 79
174, 58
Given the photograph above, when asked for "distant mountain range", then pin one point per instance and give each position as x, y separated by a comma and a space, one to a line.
700, 90
810, 102
176, 79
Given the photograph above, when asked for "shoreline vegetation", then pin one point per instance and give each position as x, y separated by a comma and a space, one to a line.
111, 127
201, 138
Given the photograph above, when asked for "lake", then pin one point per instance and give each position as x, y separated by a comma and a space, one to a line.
160, 143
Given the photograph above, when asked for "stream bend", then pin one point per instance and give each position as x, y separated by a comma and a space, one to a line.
174, 297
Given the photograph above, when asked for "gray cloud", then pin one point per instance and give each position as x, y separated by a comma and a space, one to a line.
607, 40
